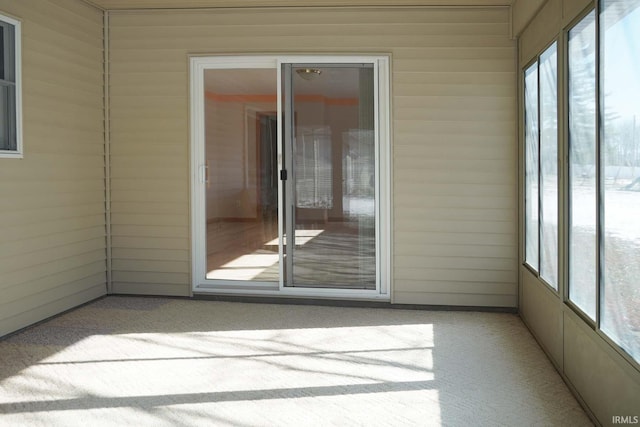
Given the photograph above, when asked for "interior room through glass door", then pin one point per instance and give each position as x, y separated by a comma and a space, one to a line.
330, 152
241, 149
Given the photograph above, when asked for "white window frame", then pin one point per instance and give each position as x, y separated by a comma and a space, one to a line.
17, 46
383, 172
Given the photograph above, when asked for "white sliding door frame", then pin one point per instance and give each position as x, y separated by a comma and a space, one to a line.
198, 172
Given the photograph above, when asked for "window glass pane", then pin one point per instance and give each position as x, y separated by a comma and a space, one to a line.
334, 177
7, 117
549, 165
3, 53
620, 50
7, 54
582, 165
531, 165
242, 160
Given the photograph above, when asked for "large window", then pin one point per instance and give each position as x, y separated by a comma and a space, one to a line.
602, 204
10, 129
532, 194
548, 77
620, 171
541, 166
582, 165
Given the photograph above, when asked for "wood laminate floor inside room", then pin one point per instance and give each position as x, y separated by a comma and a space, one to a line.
333, 254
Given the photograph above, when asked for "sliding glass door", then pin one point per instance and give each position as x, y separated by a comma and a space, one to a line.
240, 145
287, 175
331, 146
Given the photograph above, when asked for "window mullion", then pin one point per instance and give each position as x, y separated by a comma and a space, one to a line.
539, 171
599, 175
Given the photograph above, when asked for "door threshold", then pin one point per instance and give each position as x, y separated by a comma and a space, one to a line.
295, 293
328, 302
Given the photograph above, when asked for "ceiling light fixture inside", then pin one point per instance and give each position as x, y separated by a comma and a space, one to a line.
308, 73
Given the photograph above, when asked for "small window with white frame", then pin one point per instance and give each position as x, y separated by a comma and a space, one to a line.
10, 88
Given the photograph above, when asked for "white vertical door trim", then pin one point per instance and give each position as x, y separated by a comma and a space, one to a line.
198, 239
383, 173
281, 217
198, 65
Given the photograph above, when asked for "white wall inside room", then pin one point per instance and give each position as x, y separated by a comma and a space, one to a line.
232, 158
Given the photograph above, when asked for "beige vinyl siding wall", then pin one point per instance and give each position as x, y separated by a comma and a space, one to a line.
453, 154
522, 11
52, 228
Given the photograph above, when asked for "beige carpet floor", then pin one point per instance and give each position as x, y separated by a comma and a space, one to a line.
169, 362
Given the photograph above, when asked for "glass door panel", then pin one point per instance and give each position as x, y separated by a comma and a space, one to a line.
241, 149
332, 189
